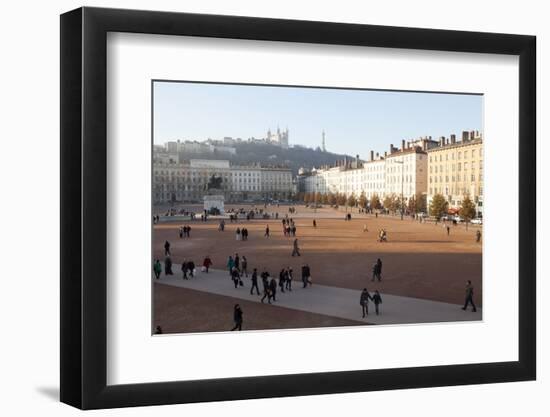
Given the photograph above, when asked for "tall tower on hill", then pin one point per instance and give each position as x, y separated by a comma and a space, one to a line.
323, 144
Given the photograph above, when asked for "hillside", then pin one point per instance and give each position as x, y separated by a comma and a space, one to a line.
271, 155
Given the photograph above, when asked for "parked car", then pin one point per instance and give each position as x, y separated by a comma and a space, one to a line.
477, 220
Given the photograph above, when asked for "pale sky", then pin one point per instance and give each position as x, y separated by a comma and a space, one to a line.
355, 121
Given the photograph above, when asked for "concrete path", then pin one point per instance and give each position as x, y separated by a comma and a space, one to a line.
330, 301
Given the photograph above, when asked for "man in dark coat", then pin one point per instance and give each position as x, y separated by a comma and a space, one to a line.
273, 288
236, 277
267, 290
282, 279
255, 282
184, 269
237, 317
168, 266
289, 277
469, 297
306, 274
377, 270
166, 248
364, 301
191, 268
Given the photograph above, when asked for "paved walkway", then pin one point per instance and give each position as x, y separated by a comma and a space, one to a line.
331, 301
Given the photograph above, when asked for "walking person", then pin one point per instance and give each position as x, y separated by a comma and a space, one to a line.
379, 269
157, 268
314, 223
206, 264
266, 231
448, 229
230, 265
377, 300
296, 249
166, 248
237, 318
237, 261
478, 236
236, 277
306, 275
364, 301
181, 232
184, 269
191, 268
238, 234
254, 282
469, 297
289, 278
282, 280
244, 266
267, 289
273, 289
168, 266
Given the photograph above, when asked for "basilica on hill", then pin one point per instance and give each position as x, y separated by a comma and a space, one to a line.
280, 138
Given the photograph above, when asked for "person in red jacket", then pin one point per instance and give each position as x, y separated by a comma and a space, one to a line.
206, 264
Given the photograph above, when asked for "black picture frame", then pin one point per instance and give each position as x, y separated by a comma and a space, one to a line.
84, 207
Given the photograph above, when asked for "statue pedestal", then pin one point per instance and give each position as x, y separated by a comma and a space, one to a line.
214, 201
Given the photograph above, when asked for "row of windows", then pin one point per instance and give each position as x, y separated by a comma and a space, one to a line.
408, 158
454, 190
467, 154
458, 166
458, 177
397, 179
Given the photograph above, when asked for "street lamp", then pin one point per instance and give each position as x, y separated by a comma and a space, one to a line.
402, 163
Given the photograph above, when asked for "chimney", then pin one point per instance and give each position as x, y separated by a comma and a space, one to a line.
424, 145
453, 139
464, 136
403, 145
385, 154
472, 135
377, 155
442, 141
372, 155
391, 147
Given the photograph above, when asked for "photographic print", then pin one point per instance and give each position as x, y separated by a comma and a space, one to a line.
290, 207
